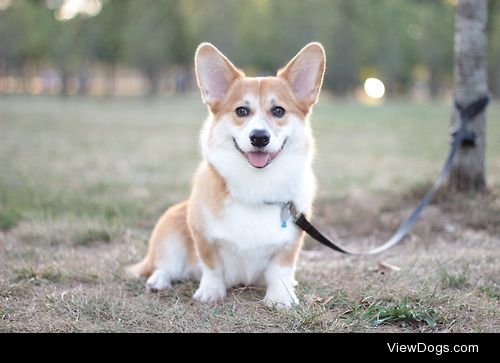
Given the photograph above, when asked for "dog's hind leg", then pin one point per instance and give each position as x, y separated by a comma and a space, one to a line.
171, 254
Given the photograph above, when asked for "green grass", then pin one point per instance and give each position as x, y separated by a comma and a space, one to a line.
455, 280
401, 312
9, 219
83, 180
91, 236
491, 290
32, 275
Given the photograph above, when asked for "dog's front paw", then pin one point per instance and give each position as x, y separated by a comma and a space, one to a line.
281, 298
210, 294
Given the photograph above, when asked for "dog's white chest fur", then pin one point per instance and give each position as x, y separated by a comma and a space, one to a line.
247, 237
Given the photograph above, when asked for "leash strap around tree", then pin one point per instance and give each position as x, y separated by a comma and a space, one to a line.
462, 136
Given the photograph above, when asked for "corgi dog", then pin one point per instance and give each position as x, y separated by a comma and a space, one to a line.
257, 150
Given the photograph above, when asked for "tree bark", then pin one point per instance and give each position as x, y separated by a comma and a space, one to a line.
64, 81
111, 78
153, 75
470, 83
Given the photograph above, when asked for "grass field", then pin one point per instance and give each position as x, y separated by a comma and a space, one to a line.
82, 182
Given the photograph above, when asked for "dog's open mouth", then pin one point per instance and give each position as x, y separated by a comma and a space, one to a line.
259, 159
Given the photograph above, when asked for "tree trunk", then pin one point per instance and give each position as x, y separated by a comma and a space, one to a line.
84, 80
470, 83
152, 73
63, 92
111, 79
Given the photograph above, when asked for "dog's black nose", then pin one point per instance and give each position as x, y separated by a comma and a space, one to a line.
259, 137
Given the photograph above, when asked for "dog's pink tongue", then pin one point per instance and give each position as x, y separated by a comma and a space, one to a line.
258, 159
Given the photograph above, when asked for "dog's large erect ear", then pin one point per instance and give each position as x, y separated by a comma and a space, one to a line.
214, 73
305, 73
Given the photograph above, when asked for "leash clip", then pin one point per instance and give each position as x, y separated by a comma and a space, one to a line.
466, 114
469, 137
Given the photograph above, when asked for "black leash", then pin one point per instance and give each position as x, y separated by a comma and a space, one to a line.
462, 136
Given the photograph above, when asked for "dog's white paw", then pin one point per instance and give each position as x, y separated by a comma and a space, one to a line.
159, 280
281, 298
210, 294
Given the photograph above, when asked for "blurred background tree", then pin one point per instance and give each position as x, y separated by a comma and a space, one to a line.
132, 46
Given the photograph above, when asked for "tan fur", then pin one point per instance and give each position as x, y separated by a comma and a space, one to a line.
209, 191
288, 257
174, 220
290, 71
260, 87
206, 252
210, 188
232, 73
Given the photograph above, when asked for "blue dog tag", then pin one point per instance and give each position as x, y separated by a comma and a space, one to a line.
285, 214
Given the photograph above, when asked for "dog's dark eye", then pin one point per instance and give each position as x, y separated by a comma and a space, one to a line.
278, 111
242, 111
